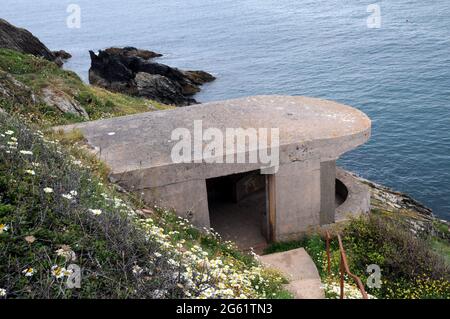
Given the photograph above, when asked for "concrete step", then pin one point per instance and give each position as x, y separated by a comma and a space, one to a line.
300, 270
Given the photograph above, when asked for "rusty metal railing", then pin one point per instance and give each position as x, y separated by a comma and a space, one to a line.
343, 267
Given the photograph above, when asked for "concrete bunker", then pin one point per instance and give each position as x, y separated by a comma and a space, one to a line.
299, 193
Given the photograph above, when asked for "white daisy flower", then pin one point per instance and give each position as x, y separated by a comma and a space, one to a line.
96, 212
58, 272
2, 292
28, 272
48, 190
26, 152
9, 132
30, 172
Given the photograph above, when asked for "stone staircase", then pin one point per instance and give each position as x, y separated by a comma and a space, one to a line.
300, 270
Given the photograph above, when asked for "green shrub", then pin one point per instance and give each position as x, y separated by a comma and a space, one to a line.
404, 259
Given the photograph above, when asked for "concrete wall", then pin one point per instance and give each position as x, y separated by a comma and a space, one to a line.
328, 192
298, 189
189, 200
358, 196
304, 198
247, 185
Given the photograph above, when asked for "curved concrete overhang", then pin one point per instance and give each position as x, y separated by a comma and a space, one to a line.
137, 148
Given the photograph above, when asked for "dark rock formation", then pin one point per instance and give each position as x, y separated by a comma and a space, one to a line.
160, 88
131, 51
23, 41
129, 71
64, 55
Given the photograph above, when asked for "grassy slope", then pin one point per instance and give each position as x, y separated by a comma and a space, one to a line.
51, 222
37, 74
39, 229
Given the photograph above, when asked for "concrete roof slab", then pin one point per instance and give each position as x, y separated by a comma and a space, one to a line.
308, 128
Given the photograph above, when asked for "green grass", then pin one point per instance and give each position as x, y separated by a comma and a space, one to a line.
441, 227
37, 74
20, 64
441, 247
284, 246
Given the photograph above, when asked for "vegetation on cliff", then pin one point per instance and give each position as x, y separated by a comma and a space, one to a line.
46, 94
399, 241
58, 211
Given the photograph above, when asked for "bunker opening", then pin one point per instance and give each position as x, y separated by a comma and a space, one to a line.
238, 208
341, 193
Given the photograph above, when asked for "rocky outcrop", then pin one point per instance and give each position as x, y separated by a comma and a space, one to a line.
22, 40
160, 88
63, 102
385, 198
405, 210
129, 71
15, 91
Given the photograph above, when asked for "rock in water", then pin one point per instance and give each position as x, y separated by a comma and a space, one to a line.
131, 51
129, 71
158, 87
199, 77
64, 55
